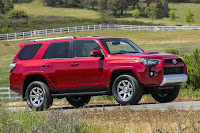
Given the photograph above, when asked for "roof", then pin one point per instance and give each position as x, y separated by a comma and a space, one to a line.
68, 38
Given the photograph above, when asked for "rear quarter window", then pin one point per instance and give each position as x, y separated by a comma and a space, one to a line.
28, 52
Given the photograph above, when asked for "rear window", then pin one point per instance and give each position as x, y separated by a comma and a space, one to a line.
29, 51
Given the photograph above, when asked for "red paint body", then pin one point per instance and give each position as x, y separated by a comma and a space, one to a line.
93, 72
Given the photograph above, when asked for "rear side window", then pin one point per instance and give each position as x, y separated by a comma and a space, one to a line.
84, 47
57, 50
29, 51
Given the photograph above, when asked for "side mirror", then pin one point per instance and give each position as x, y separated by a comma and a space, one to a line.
96, 53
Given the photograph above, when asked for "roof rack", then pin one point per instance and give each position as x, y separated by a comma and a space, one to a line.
48, 39
93, 36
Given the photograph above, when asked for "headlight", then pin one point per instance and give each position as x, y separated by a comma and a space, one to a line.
181, 58
149, 62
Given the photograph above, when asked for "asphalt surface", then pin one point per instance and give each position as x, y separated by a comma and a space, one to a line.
195, 105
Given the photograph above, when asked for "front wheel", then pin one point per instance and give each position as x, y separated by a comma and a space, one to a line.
38, 96
166, 95
127, 90
78, 101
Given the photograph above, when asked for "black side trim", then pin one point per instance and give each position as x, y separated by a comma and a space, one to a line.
80, 94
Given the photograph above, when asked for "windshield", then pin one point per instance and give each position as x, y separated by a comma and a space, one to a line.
120, 46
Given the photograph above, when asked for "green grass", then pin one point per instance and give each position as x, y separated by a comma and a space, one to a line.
184, 41
25, 121
36, 8
181, 9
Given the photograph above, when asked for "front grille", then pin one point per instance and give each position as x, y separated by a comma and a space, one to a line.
170, 60
173, 70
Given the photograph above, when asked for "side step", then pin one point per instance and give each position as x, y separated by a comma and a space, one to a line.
80, 94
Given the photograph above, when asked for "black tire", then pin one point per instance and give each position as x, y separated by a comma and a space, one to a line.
168, 95
131, 85
42, 96
78, 101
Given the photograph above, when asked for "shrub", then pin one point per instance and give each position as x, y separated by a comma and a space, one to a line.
136, 14
16, 14
32, 122
193, 67
173, 51
22, 1
6, 29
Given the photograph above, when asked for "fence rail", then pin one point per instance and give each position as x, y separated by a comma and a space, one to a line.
37, 33
6, 93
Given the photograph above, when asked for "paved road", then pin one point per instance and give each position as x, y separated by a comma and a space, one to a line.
195, 105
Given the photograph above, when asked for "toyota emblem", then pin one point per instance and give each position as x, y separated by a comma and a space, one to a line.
174, 61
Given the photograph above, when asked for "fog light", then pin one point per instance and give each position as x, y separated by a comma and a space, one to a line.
151, 74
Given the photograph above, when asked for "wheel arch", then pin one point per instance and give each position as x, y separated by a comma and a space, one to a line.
34, 77
114, 74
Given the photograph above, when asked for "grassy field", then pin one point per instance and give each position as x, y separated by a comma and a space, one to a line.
98, 121
143, 121
184, 41
36, 8
181, 10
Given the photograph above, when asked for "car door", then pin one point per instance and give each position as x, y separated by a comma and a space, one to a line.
55, 64
87, 72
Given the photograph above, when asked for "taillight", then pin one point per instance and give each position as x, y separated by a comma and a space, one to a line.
12, 66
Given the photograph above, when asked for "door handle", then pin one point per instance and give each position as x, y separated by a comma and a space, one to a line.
74, 64
45, 66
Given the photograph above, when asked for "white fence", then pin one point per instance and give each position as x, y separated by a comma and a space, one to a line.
6, 93
37, 33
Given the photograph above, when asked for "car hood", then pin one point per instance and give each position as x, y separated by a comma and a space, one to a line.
154, 55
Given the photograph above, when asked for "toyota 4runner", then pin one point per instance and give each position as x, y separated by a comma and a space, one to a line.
78, 68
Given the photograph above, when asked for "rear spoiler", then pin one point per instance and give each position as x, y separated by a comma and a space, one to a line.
21, 45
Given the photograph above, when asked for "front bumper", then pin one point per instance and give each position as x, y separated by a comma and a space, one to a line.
174, 79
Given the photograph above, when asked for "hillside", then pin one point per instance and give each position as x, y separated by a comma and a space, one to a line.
36, 8
181, 9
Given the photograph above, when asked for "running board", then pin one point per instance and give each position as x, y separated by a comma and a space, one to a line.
80, 94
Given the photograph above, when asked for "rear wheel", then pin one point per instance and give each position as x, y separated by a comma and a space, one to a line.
38, 96
127, 90
166, 95
78, 101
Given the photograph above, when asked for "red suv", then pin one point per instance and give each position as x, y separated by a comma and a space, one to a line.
78, 68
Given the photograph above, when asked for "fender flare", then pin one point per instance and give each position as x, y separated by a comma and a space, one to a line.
131, 68
40, 74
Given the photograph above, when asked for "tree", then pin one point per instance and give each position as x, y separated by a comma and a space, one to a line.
136, 14
190, 17
118, 5
172, 15
6, 5
152, 12
162, 8
61, 3
134, 3
103, 5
